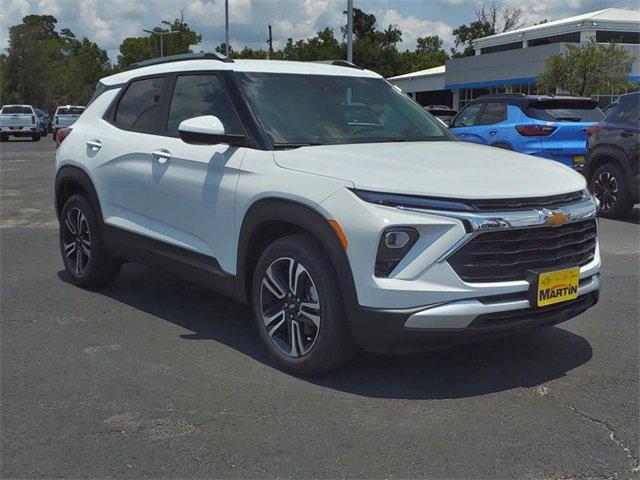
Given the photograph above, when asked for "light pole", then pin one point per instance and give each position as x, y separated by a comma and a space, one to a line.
226, 27
350, 31
162, 34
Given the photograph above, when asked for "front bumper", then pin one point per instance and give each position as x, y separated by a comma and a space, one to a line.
424, 302
386, 331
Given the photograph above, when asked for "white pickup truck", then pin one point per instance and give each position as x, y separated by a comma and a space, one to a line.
19, 121
65, 116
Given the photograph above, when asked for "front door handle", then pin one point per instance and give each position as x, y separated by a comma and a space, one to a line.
161, 155
95, 145
627, 133
493, 132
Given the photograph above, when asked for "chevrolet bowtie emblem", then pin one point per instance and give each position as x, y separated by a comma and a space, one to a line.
555, 219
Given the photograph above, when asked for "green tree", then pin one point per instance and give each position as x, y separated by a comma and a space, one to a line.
136, 49
587, 69
45, 68
490, 19
429, 45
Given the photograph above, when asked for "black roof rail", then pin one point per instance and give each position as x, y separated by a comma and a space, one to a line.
181, 57
340, 63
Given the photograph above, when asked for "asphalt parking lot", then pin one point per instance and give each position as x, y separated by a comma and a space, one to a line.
154, 377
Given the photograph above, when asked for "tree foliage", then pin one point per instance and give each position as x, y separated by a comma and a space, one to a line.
46, 68
374, 48
587, 69
490, 19
136, 49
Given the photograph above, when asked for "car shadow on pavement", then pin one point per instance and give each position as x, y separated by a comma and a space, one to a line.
462, 371
634, 216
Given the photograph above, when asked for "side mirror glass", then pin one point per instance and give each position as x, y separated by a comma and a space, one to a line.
206, 130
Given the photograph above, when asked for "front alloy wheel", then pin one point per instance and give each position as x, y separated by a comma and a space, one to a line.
290, 307
76, 241
298, 307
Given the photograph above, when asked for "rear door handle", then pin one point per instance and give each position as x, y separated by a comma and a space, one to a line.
493, 132
627, 133
161, 155
95, 145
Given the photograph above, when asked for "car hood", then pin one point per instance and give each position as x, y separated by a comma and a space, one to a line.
439, 169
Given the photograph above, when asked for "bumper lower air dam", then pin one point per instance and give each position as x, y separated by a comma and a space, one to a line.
460, 322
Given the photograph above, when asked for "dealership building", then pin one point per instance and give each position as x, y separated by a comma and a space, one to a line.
511, 62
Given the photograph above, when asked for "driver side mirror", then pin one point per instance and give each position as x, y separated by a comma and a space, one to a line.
206, 130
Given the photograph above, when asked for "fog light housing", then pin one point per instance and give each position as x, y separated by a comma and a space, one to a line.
395, 243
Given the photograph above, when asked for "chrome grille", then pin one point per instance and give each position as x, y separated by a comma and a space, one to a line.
507, 255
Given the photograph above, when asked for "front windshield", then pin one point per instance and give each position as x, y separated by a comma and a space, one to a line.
324, 110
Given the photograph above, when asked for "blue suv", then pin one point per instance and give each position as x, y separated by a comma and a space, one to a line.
552, 127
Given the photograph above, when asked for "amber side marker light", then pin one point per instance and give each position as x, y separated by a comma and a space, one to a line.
336, 228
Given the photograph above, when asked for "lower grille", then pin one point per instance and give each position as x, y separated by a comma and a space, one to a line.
536, 315
508, 255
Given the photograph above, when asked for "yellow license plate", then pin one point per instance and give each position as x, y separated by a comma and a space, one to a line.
558, 286
578, 161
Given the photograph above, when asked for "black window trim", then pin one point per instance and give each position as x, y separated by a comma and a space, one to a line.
256, 138
110, 114
172, 86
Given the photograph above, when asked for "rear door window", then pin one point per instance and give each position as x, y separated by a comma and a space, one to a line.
197, 95
139, 106
563, 110
494, 112
467, 117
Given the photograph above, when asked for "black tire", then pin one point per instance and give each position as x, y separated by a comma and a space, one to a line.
332, 345
610, 186
35, 137
4, 137
53, 135
96, 269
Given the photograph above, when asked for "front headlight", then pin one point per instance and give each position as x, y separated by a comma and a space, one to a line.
395, 243
412, 201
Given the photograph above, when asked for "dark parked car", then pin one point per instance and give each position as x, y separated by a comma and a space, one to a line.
612, 157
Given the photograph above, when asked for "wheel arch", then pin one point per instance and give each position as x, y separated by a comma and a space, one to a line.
606, 154
71, 180
272, 218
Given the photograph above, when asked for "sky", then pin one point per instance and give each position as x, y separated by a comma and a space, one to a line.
108, 22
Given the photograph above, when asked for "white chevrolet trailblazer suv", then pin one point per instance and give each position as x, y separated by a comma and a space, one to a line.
341, 211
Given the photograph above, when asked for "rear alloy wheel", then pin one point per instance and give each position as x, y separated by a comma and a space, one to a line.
76, 240
83, 252
298, 307
609, 186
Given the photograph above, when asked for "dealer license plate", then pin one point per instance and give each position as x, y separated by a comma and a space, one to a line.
558, 286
